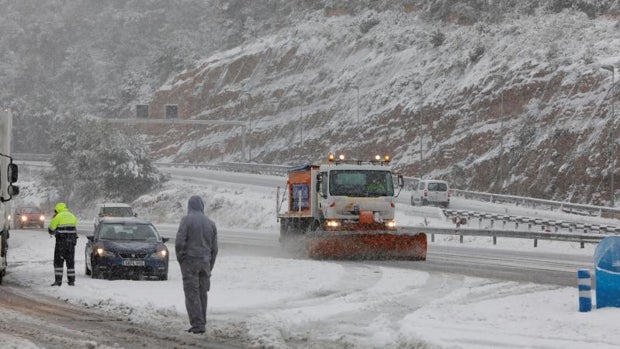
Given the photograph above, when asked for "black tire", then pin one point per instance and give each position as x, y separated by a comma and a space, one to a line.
94, 273
86, 270
163, 277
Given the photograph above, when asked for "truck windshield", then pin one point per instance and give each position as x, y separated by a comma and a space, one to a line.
361, 183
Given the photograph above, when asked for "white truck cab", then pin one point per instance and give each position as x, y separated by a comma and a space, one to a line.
8, 176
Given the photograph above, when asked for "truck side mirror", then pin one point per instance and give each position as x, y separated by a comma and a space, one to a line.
12, 173
319, 180
401, 181
12, 190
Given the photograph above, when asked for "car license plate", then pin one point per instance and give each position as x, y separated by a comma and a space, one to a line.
133, 262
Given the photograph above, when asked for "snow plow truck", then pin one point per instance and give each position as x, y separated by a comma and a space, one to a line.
8, 176
344, 209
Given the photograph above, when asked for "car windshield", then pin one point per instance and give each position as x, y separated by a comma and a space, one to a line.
117, 211
128, 232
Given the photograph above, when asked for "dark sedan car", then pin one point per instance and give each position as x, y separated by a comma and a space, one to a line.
126, 247
28, 216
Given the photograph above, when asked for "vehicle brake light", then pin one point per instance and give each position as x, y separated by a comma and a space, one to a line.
332, 204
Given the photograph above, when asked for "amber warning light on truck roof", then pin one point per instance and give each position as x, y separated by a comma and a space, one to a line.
385, 159
341, 158
332, 157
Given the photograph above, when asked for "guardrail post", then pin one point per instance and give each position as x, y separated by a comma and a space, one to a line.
585, 290
433, 237
461, 238
535, 242
494, 240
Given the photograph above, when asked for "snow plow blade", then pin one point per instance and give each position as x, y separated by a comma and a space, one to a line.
366, 245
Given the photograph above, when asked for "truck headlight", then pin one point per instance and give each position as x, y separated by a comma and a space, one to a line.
42, 218
390, 224
333, 224
24, 218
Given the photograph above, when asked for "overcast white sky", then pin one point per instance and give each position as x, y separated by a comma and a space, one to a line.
276, 301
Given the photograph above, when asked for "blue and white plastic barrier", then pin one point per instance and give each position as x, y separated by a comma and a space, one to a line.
607, 272
585, 290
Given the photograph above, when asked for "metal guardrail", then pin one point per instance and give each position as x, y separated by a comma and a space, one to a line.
265, 169
589, 210
519, 234
534, 221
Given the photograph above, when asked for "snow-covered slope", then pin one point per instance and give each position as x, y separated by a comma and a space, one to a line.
517, 104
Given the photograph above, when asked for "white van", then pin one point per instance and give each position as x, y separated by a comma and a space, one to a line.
113, 209
431, 192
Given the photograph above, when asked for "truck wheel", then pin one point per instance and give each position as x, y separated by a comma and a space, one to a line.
314, 225
284, 227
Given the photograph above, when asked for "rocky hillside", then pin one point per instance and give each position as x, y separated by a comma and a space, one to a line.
501, 96
497, 95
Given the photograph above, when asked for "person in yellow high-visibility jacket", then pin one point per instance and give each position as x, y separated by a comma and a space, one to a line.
64, 227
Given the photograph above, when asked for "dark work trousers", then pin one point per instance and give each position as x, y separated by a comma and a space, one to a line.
196, 283
64, 251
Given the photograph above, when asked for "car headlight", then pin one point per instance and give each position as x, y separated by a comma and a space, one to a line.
24, 218
101, 252
160, 254
42, 218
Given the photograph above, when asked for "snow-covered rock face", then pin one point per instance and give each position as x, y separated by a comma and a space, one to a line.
514, 103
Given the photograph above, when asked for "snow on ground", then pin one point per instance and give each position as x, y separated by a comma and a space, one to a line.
278, 302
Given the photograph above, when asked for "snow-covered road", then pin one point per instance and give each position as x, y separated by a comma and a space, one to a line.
273, 301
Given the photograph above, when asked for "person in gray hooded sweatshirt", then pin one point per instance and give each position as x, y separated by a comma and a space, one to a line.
196, 248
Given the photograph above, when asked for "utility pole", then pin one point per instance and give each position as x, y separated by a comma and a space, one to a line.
612, 145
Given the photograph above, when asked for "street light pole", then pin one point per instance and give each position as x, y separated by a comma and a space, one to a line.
421, 135
301, 117
612, 149
249, 146
357, 88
